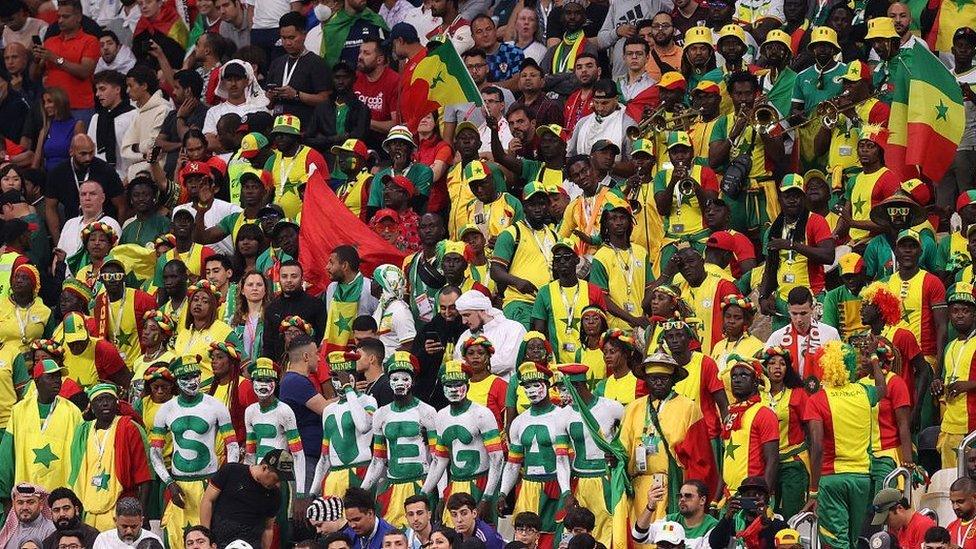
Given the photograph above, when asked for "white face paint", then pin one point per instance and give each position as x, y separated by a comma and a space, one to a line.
336, 385
401, 383
456, 392
189, 386
565, 398
536, 391
264, 389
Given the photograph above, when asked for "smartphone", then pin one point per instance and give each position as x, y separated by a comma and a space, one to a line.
659, 480
747, 504
432, 335
36, 40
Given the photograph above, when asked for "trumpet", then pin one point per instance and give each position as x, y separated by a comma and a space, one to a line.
764, 116
632, 189
830, 110
685, 185
658, 121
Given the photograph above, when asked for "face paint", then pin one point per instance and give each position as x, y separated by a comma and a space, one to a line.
337, 386
536, 392
456, 393
189, 386
401, 383
565, 398
264, 389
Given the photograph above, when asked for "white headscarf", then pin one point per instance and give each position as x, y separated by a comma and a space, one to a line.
253, 95
473, 300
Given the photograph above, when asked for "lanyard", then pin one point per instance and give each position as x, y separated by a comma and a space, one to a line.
101, 444
962, 539
50, 414
657, 410
287, 74
545, 245
78, 182
570, 310
283, 173
628, 263
958, 355
115, 321
22, 321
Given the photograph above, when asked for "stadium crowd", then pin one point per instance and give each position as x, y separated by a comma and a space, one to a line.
590, 273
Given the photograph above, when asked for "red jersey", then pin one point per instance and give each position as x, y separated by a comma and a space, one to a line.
904, 341
430, 150
744, 251
381, 97
75, 49
962, 534
896, 396
576, 108
913, 534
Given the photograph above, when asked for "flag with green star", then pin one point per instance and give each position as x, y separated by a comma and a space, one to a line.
952, 15
927, 115
438, 80
342, 309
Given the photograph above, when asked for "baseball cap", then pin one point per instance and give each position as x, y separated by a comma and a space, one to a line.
402, 182
476, 170
74, 328
909, 233
554, 129
672, 80
271, 209
962, 292
386, 213
531, 190
721, 240
466, 125
196, 168
787, 536
857, 71
287, 124
48, 366
404, 31
354, 146
885, 501
791, 181
281, 463
252, 144
670, 532
645, 146
966, 199
754, 482
602, 144
851, 263
707, 86
564, 243
678, 139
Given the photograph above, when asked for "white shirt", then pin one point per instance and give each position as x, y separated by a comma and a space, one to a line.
122, 124
124, 60
268, 12
506, 336
504, 135
218, 210
215, 112
591, 129
820, 333
395, 15
630, 90
70, 240
396, 326
110, 540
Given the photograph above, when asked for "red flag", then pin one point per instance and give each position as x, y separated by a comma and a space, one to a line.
326, 224
649, 99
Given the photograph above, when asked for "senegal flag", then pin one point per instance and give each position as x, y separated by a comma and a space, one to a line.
438, 80
927, 115
952, 14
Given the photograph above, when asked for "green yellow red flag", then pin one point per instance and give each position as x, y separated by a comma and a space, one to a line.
952, 15
438, 80
927, 115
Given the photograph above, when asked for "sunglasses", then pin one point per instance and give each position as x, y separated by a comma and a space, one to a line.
112, 277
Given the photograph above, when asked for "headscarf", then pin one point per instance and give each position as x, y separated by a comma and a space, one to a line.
154, 373
473, 300
394, 285
99, 226
254, 95
78, 288
163, 320
32, 273
11, 527
295, 321
477, 340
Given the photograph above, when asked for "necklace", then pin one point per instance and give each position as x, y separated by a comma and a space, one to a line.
22, 321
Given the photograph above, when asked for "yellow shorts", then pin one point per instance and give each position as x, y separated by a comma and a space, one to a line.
337, 481
611, 529
176, 520
947, 445
391, 501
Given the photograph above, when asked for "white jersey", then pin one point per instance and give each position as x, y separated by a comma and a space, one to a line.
341, 440
537, 438
466, 438
587, 456
194, 429
402, 435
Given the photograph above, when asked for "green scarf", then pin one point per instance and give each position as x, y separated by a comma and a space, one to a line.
675, 476
335, 32
564, 58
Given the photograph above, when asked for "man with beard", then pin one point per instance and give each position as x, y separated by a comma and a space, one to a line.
800, 244
437, 344
453, 26
539, 106
292, 163
803, 336
66, 512
732, 46
607, 122
296, 81
523, 256
562, 60
579, 103
621, 269
468, 444
400, 146
377, 86
346, 430
193, 421
580, 222
112, 464
665, 54
488, 181
341, 117
706, 97
421, 269
757, 204
128, 531
959, 373
962, 495
538, 454
400, 455
777, 79
751, 432
813, 86
292, 301
691, 515
27, 520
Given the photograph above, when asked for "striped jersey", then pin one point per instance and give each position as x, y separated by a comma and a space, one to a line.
403, 435
465, 437
194, 426
844, 411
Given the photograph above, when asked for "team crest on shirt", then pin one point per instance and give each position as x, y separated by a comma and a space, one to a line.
811, 384
503, 67
706, 303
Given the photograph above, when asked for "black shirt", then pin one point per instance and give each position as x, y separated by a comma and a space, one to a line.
169, 133
242, 507
88, 535
296, 303
309, 74
14, 115
381, 391
62, 185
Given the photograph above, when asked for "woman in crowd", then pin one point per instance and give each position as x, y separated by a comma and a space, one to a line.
593, 324
97, 240
202, 327
157, 331
12, 179
484, 387
622, 356
159, 386
248, 319
788, 399
54, 140
527, 35
433, 151
395, 324
23, 317
226, 362
249, 244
